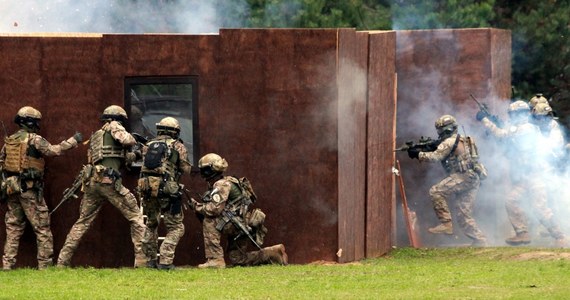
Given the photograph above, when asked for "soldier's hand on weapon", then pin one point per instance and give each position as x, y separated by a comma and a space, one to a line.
481, 115
78, 137
192, 203
414, 153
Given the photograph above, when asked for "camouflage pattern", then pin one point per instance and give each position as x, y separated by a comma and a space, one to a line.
100, 188
524, 139
463, 183
155, 206
236, 248
174, 231
28, 205
95, 194
21, 207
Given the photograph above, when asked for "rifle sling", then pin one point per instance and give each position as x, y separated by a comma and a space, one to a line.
453, 148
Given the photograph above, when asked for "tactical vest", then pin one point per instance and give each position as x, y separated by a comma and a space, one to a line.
103, 147
238, 199
23, 158
462, 162
169, 162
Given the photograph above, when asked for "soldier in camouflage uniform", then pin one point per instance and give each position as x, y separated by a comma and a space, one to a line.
226, 193
459, 157
22, 162
102, 182
526, 161
165, 160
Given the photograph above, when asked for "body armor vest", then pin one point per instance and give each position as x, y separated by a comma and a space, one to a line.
23, 158
236, 196
464, 159
103, 146
169, 163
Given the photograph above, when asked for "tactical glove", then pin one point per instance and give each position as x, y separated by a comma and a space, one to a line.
481, 115
78, 137
414, 153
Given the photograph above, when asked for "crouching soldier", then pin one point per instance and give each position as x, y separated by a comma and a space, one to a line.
22, 162
165, 160
226, 210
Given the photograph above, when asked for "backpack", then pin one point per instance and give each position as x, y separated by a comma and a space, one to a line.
247, 189
156, 152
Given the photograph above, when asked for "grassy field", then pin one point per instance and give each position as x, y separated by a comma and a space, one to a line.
452, 273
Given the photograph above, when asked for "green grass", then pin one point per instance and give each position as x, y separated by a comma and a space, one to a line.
452, 273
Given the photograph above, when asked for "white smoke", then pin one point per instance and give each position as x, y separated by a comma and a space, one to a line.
108, 16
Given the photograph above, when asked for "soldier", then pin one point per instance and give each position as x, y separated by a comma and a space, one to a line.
165, 160
538, 98
525, 160
552, 142
106, 154
459, 157
226, 205
22, 162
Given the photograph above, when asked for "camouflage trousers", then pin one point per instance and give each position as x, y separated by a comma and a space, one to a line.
95, 195
174, 230
21, 207
534, 191
236, 248
464, 187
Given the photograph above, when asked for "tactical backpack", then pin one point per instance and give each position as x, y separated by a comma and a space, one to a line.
157, 151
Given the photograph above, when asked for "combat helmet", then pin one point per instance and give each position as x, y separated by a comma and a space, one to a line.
542, 109
168, 126
211, 165
114, 113
28, 117
446, 125
538, 98
518, 111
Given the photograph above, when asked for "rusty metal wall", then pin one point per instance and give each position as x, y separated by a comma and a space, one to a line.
381, 133
274, 103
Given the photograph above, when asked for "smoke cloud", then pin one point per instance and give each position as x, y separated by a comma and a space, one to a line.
108, 16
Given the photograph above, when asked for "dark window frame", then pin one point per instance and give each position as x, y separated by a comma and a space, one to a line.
148, 80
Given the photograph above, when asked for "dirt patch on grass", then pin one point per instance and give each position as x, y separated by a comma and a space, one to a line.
542, 255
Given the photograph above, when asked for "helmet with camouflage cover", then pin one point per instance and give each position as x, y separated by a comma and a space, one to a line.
538, 98
542, 109
28, 117
518, 111
446, 126
168, 126
212, 165
114, 113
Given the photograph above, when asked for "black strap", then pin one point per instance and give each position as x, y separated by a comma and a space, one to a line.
453, 148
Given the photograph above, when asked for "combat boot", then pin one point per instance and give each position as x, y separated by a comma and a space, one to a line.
152, 264
217, 263
478, 243
519, 239
166, 267
276, 254
446, 228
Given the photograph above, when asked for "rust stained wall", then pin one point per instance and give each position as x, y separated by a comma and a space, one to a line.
278, 126
59, 77
352, 98
381, 119
437, 70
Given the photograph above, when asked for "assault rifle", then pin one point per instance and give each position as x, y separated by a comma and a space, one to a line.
229, 216
70, 192
485, 109
425, 144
